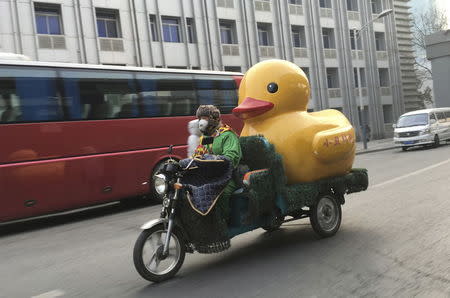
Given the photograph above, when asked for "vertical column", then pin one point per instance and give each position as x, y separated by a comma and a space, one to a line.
398, 106
245, 38
135, 32
286, 25
278, 30
373, 91
318, 71
94, 21
197, 43
161, 34
252, 31
216, 32
342, 29
149, 34
184, 35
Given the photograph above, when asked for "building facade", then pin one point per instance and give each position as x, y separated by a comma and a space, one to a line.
438, 52
233, 35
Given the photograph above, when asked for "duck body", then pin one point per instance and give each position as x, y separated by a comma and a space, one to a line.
313, 145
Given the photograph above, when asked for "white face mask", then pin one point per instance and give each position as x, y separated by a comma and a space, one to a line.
203, 125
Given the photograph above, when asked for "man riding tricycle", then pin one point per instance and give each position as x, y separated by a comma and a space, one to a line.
287, 164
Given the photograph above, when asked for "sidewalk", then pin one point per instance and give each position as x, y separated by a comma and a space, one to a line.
375, 146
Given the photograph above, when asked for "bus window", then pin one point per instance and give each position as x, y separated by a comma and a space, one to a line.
29, 95
217, 90
166, 94
99, 95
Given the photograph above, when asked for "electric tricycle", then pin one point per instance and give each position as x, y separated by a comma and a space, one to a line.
263, 200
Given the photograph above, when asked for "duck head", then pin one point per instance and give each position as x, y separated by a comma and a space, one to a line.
270, 88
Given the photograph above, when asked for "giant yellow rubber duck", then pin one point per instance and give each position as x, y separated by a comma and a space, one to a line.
273, 100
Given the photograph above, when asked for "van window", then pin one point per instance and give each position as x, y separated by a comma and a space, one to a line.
432, 116
447, 115
441, 116
413, 120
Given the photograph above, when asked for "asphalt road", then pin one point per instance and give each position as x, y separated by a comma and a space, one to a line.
394, 241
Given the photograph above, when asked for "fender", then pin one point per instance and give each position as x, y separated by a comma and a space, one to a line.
154, 222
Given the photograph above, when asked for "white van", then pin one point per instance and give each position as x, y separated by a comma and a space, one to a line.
422, 127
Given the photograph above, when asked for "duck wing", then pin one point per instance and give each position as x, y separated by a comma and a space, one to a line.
334, 144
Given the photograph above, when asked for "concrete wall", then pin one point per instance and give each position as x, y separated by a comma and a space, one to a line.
438, 52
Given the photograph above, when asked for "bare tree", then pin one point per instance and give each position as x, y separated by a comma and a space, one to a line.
425, 22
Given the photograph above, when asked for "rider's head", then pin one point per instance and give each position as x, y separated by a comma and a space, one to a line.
209, 119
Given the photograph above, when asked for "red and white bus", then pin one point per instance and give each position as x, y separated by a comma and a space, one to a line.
77, 135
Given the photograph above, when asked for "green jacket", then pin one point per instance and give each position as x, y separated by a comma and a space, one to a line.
227, 144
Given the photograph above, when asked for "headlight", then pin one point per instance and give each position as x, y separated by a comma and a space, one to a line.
425, 131
160, 184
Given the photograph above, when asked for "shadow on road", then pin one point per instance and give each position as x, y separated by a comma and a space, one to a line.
62, 218
420, 148
270, 258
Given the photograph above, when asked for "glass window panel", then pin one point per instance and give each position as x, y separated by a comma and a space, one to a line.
41, 24
101, 26
105, 95
31, 96
110, 16
171, 21
166, 95
175, 36
111, 28
166, 33
153, 28
220, 91
53, 24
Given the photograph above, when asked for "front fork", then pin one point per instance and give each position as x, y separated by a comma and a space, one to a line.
171, 221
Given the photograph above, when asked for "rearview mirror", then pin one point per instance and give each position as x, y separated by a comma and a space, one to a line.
432, 121
394, 125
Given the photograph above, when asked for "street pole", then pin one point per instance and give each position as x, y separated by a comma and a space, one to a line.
358, 73
356, 35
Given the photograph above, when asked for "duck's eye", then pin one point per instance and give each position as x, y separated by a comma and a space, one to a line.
272, 87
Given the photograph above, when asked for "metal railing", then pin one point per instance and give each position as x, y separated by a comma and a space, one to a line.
230, 49
111, 44
300, 52
330, 53
326, 12
47, 41
334, 92
295, 9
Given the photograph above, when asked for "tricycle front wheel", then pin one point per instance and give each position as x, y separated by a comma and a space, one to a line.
148, 256
325, 216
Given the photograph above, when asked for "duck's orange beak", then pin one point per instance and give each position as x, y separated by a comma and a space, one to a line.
251, 107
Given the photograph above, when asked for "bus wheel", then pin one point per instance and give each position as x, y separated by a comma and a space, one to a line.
154, 194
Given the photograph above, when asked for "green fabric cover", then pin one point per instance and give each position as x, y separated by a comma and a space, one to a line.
208, 233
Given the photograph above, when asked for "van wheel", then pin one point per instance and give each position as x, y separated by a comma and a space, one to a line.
404, 148
437, 142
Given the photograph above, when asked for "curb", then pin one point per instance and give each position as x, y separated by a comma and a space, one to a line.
374, 150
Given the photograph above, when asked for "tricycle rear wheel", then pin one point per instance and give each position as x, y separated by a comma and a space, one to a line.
325, 215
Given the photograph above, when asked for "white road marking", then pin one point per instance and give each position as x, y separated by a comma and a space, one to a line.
410, 174
51, 294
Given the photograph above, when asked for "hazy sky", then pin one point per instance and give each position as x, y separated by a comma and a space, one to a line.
423, 4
